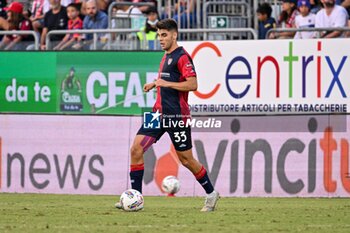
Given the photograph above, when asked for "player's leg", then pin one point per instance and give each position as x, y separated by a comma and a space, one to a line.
182, 142
144, 139
198, 170
186, 158
140, 145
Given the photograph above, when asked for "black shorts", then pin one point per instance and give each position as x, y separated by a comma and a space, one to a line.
180, 137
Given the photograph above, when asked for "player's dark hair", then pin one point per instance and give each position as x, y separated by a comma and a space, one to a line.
167, 24
264, 9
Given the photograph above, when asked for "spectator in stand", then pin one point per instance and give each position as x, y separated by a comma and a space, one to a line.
305, 20
126, 15
54, 19
144, 9
3, 4
286, 19
128, 10
37, 18
187, 11
149, 31
79, 3
101, 5
331, 16
64, 3
95, 19
315, 6
16, 21
346, 5
266, 22
39, 9
74, 23
113, 14
3, 15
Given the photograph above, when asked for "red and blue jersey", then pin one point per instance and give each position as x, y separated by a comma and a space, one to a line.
174, 67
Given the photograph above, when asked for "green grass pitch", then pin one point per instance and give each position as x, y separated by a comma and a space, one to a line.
80, 213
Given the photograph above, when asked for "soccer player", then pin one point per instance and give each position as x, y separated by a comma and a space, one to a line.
71, 81
176, 78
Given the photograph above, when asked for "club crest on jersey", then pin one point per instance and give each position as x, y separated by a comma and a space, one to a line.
170, 60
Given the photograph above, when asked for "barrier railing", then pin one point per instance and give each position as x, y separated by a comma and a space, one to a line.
136, 4
318, 30
95, 33
33, 33
202, 34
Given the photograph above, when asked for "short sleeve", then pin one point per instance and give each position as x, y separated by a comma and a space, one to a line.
186, 67
342, 19
46, 20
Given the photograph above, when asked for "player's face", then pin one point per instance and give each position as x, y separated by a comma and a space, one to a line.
166, 38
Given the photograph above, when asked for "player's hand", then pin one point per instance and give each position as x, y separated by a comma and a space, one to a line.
148, 86
161, 83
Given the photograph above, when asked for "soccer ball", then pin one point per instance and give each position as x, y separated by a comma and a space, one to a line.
170, 185
131, 200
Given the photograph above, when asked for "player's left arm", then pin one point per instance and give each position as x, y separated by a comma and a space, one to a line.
190, 84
